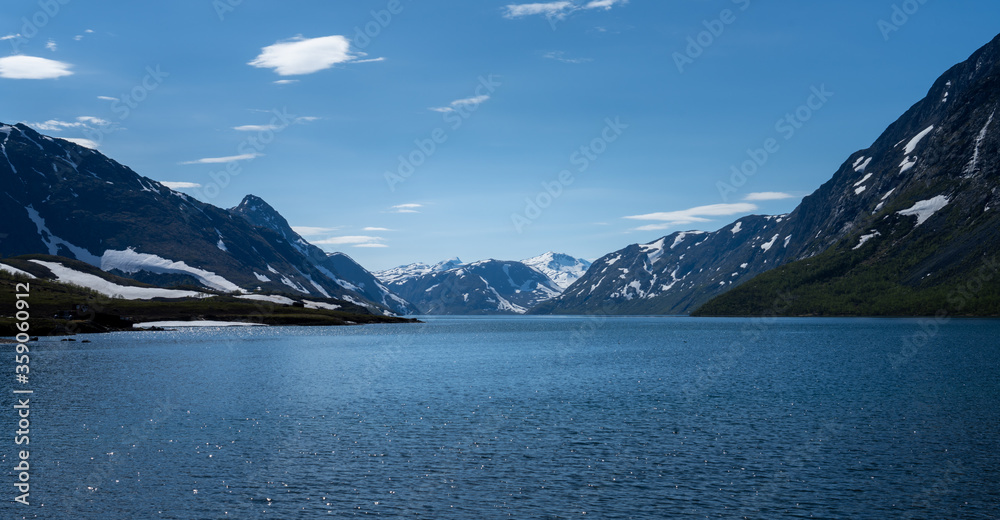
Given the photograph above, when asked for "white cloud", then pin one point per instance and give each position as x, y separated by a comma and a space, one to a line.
54, 125
552, 9
604, 4
370, 60
352, 240
256, 128
218, 160
768, 195
285, 81
299, 55
557, 10
10, 37
670, 219
88, 31
107, 98
477, 100
93, 120
309, 231
51, 45
406, 208
179, 185
264, 128
86, 143
32, 67
376, 229
561, 56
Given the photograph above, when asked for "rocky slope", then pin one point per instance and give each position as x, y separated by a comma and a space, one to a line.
59, 198
923, 197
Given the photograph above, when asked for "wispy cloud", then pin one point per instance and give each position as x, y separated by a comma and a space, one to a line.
557, 10
310, 231
51, 45
298, 56
550, 9
604, 4
459, 103
561, 56
264, 128
32, 67
285, 81
376, 229
107, 98
180, 185
55, 125
768, 195
670, 219
86, 143
10, 37
353, 241
218, 160
406, 208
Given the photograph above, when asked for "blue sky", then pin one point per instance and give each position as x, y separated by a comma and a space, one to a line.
402, 131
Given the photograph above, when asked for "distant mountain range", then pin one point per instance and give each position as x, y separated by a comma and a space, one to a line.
900, 227
484, 287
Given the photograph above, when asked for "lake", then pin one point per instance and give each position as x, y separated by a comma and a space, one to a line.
523, 417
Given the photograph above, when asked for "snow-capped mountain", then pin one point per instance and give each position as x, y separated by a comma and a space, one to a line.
561, 269
59, 198
406, 272
485, 287
911, 216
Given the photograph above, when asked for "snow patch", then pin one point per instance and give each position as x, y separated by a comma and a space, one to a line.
129, 261
221, 245
737, 228
907, 164
280, 300
859, 191
96, 283
261, 277
200, 323
912, 145
53, 242
320, 305
924, 209
862, 181
768, 245
866, 238
860, 166
13, 270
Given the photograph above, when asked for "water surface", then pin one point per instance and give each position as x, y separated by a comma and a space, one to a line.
549, 417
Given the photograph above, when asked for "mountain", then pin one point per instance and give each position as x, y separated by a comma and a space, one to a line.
912, 217
406, 272
561, 269
486, 287
924, 233
338, 267
58, 198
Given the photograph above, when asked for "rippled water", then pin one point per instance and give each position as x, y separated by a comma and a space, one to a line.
522, 418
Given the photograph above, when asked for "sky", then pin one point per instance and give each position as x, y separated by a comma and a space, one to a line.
401, 131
